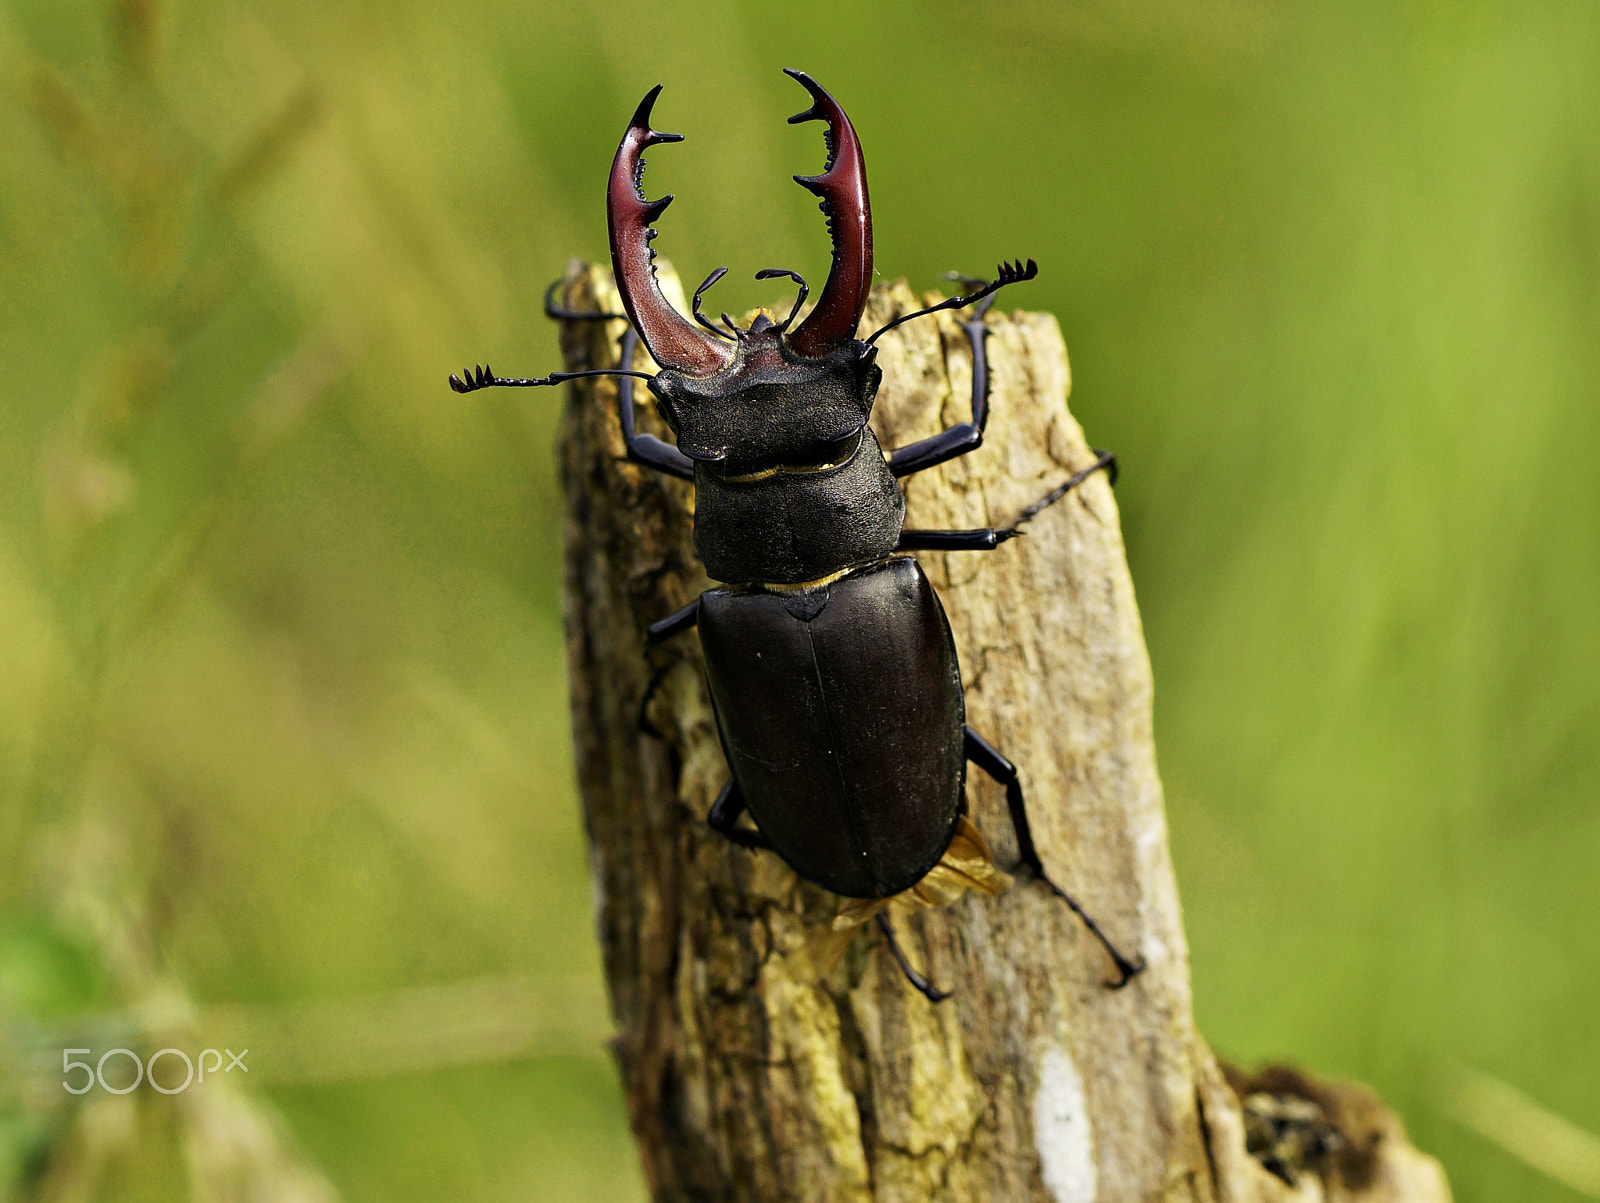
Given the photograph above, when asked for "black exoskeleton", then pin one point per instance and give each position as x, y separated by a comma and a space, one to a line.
830, 663
790, 485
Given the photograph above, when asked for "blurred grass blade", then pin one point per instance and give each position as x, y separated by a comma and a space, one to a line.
61, 114
1503, 1115
135, 27
281, 400
416, 1030
412, 1030
266, 151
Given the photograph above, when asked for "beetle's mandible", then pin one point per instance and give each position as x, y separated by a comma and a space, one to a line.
831, 667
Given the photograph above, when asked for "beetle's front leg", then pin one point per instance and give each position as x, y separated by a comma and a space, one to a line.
646, 449
988, 758
968, 436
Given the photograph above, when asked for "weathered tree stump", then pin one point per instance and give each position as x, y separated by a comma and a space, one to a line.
755, 1073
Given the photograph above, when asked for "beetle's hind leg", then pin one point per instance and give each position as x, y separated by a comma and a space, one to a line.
928, 989
988, 758
724, 818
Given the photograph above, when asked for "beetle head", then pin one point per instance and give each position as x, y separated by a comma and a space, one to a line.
770, 406
765, 396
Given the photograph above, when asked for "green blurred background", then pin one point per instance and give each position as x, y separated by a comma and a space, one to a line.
282, 717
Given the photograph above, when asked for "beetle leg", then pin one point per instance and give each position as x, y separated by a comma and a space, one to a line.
675, 623
959, 439
988, 758
968, 436
932, 992
1106, 460
646, 449
724, 818
989, 537
985, 539
643, 449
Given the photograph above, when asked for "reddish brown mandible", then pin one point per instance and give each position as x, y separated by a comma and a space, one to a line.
672, 339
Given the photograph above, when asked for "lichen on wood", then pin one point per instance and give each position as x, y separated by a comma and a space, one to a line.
753, 1072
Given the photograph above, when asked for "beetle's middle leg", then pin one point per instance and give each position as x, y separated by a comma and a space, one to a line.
988, 758
990, 537
675, 623
724, 818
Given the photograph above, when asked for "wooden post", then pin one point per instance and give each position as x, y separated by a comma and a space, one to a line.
748, 1077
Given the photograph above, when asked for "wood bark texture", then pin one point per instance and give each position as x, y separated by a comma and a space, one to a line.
752, 1074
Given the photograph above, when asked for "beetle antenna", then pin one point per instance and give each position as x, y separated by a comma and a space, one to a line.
975, 282
700, 292
772, 273
731, 325
1006, 273
470, 380
965, 280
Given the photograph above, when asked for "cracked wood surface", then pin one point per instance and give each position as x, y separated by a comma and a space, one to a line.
748, 1077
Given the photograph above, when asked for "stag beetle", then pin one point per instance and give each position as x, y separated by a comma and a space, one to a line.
832, 671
